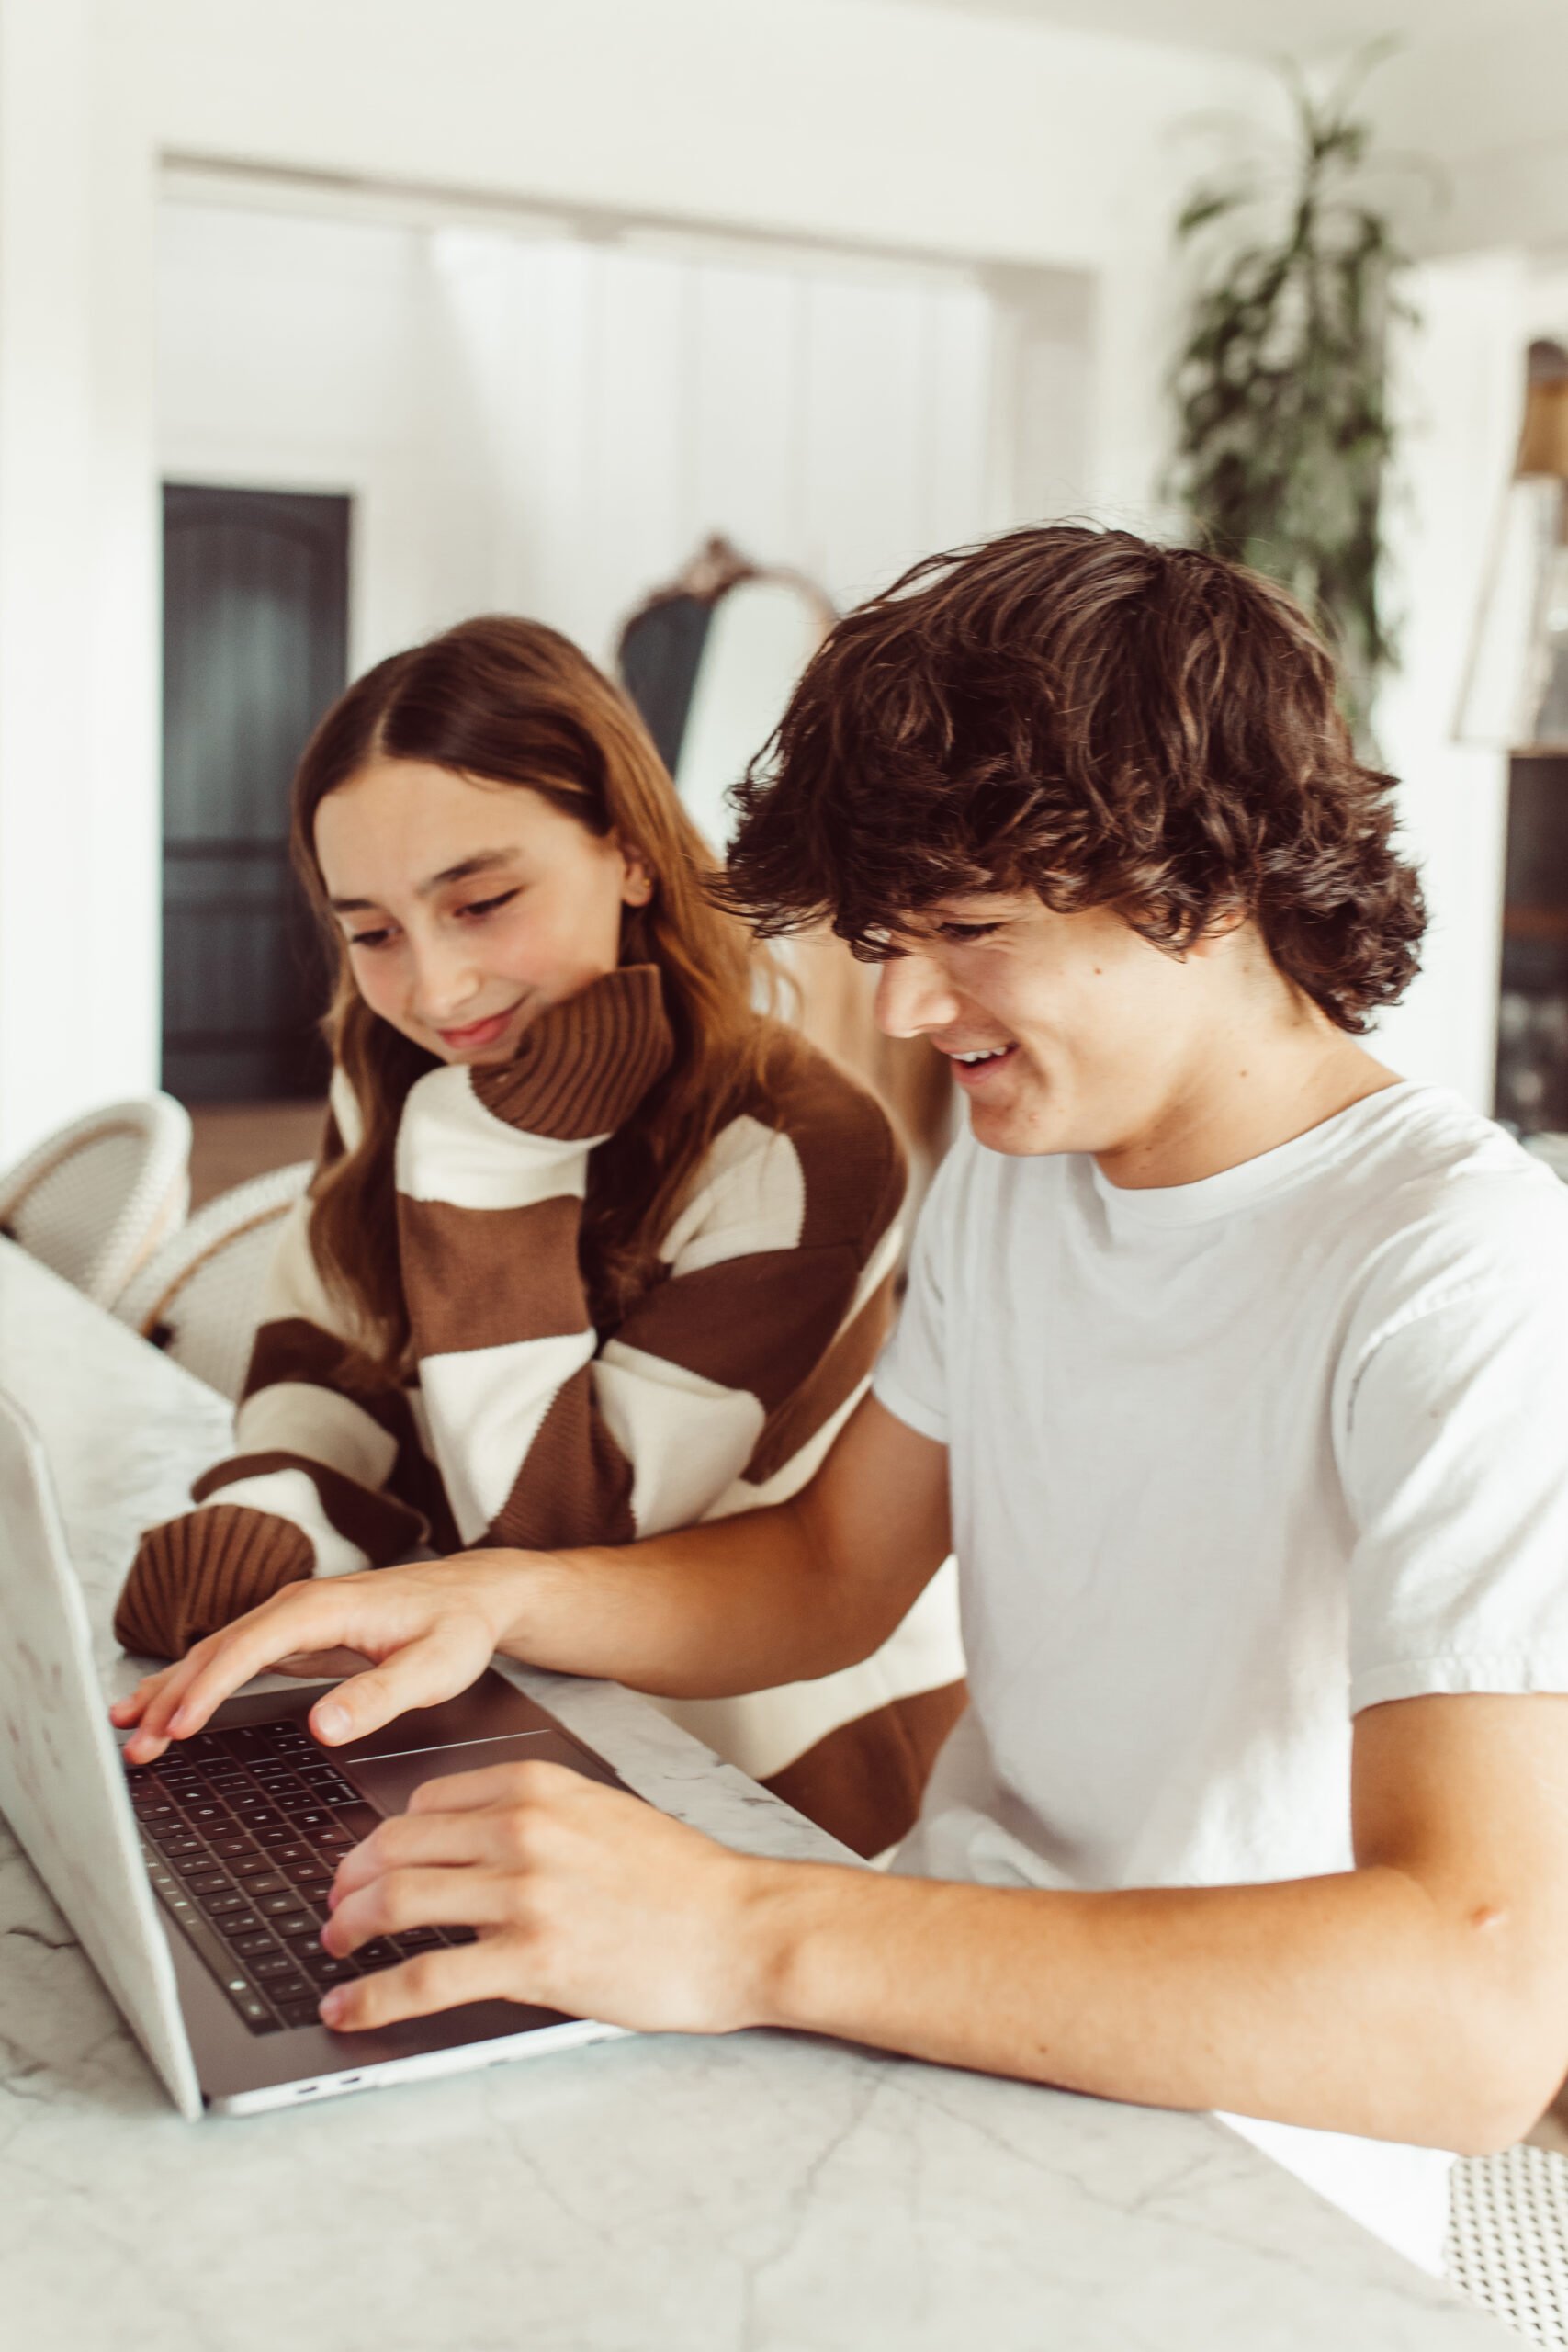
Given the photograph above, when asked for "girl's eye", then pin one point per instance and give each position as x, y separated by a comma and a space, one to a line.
962, 932
368, 938
488, 906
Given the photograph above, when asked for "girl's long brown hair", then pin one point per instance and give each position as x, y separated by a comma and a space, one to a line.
505, 701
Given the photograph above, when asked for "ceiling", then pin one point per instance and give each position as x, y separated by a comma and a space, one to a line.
1266, 27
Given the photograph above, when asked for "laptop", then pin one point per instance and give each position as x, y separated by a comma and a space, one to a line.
197, 1886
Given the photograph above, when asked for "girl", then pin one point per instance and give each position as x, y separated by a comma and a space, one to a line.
594, 1249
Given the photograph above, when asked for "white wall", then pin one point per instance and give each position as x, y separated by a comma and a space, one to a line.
78, 650
1456, 384
552, 425
295, 354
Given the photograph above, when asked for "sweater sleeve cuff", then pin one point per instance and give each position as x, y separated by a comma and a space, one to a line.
585, 1064
196, 1573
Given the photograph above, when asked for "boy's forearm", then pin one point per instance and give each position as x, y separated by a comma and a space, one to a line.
1345, 2002
743, 1604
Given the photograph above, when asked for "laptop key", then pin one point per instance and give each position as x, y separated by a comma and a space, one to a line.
228, 1970
322, 1969
172, 1834
208, 1882
218, 1905
277, 1970
251, 1865
276, 1906
293, 1923
197, 1863
301, 2012
256, 1945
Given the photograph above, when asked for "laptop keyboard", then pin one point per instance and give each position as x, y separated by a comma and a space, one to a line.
242, 1831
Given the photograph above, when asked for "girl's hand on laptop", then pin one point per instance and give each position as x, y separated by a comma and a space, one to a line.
430, 1630
584, 1899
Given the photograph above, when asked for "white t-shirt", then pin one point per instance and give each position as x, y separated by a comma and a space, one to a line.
1230, 1461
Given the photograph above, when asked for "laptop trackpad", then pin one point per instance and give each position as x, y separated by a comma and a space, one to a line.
389, 1781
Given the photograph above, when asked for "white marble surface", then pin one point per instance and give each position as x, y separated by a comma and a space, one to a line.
761, 2193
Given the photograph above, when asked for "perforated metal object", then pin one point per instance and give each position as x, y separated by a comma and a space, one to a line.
1508, 2242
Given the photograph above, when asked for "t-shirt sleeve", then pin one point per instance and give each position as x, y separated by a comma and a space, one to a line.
1455, 1464
911, 1377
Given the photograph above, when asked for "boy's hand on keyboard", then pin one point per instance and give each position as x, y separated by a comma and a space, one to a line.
584, 1899
429, 1629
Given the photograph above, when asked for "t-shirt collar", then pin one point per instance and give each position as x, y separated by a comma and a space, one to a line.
1250, 1181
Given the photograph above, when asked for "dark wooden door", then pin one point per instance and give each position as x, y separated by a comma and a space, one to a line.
255, 645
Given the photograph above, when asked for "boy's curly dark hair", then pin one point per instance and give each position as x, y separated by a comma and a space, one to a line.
1079, 713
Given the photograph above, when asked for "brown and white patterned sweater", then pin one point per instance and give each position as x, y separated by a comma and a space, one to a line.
522, 1425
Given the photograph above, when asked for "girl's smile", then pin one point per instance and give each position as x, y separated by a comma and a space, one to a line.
455, 894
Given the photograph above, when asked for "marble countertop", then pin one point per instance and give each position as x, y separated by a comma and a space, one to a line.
755, 2193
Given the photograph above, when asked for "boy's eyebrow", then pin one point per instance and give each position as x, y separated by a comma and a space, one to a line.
483, 861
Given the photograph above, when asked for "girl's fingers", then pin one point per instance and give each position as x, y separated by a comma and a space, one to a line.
436, 1980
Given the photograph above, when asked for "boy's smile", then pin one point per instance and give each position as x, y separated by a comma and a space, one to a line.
1075, 1033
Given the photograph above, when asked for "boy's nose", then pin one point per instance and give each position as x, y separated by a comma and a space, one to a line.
913, 996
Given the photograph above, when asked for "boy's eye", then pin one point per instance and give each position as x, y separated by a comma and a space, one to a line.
966, 930
487, 906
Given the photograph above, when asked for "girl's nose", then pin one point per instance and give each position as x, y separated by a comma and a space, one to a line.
444, 982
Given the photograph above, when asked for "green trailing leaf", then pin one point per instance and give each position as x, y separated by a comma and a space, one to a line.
1283, 435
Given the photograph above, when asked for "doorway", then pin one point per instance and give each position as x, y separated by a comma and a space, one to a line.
255, 647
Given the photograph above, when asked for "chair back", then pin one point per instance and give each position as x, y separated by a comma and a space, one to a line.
95, 1198
199, 1298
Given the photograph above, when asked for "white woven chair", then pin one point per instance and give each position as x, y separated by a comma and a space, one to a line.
199, 1298
1507, 2245
94, 1198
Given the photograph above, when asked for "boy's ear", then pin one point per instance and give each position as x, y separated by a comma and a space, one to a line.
1220, 930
